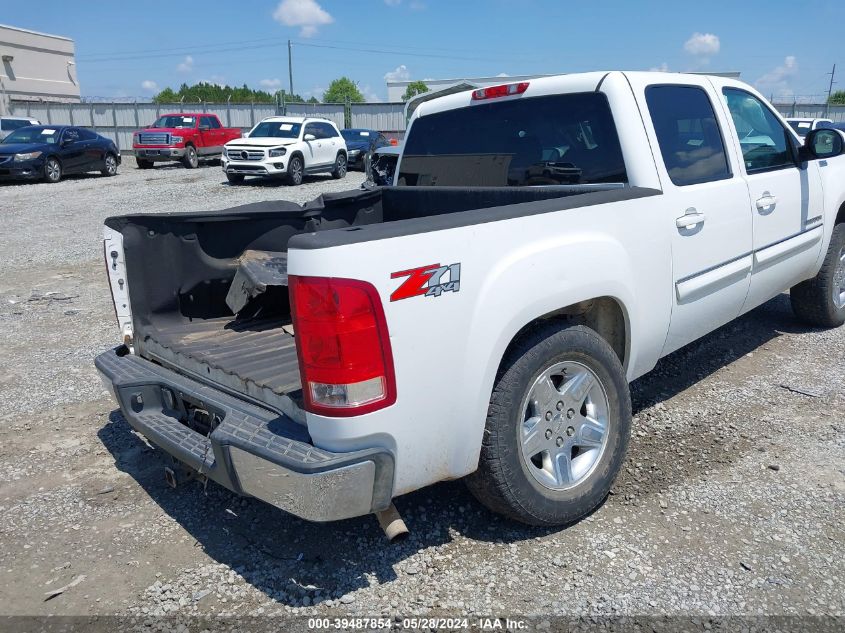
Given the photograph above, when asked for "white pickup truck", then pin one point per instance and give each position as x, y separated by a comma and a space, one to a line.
329, 357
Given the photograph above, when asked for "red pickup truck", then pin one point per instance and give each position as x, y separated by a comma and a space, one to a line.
183, 136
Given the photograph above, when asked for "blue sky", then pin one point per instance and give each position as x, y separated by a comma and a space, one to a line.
129, 49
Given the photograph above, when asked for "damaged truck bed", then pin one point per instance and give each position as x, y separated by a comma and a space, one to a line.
208, 291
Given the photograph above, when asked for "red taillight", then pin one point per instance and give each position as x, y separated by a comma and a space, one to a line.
505, 90
345, 360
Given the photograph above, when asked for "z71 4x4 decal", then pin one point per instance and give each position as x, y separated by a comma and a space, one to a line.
430, 281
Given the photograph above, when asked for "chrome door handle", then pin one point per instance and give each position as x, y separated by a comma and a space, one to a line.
690, 219
767, 201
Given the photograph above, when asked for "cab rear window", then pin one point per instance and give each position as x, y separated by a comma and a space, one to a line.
555, 140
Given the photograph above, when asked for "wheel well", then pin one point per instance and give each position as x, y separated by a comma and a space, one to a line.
297, 153
840, 217
604, 315
190, 144
341, 151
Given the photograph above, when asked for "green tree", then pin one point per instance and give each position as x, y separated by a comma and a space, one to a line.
414, 88
343, 90
214, 93
837, 98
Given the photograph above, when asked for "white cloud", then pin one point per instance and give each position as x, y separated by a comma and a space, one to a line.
186, 65
370, 95
416, 5
401, 73
149, 85
702, 44
270, 84
778, 81
216, 80
306, 14
393, 3
663, 68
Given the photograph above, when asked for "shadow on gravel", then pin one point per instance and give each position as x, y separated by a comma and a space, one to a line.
277, 181
289, 559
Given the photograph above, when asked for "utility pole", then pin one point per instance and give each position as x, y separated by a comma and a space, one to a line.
290, 69
829, 91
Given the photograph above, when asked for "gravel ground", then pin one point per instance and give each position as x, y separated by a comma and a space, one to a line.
730, 503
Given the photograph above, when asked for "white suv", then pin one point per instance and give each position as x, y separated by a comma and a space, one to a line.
287, 147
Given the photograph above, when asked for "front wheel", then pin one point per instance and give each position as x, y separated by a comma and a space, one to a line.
52, 170
295, 171
820, 301
110, 168
557, 428
190, 160
235, 179
340, 167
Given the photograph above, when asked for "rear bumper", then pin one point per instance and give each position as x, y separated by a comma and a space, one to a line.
159, 153
251, 451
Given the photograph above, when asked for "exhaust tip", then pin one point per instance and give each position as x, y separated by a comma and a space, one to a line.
391, 522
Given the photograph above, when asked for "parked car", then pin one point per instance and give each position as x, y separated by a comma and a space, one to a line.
360, 143
11, 123
50, 152
286, 147
443, 329
803, 126
189, 137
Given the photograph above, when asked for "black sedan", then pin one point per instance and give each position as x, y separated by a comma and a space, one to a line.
359, 143
48, 152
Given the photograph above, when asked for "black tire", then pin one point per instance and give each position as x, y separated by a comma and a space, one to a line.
52, 170
111, 165
814, 301
295, 171
503, 481
190, 160
340, 166
235, 179
143, 164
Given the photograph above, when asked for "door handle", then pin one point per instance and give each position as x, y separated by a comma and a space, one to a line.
690, 219
767, 201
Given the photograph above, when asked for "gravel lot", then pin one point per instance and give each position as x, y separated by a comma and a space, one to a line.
731, 502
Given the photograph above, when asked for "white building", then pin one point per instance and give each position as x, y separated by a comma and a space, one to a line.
36, 67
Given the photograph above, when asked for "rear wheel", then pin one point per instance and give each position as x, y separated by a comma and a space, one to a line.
340, 167
143, 164
820, 301
110, 168
557, 428
295, 171
190, 160
235, 179
52, 170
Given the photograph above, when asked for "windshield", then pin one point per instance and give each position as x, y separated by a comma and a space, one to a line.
33, 135
802, 127
356, 135
556, 140
175, 121
276, 129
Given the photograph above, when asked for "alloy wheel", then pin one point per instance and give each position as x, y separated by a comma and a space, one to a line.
564, 427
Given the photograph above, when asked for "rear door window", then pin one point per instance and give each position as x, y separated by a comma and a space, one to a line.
554, 140
688, 133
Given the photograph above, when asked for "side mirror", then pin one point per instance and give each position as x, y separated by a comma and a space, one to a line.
309, 137
824, 143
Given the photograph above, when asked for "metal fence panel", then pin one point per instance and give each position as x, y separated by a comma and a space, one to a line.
812, 111
335, 112
384, 117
